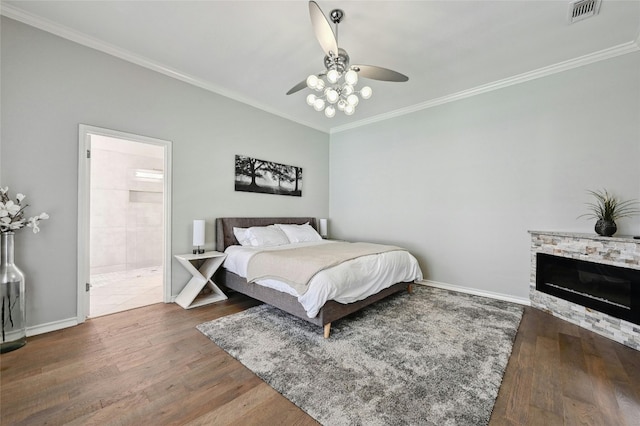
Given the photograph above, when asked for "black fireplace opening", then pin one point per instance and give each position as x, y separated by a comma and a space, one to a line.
609, 289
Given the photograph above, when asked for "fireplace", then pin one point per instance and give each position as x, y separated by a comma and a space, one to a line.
609, 289
588, 280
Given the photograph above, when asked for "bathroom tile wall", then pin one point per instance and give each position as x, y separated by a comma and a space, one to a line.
126, 212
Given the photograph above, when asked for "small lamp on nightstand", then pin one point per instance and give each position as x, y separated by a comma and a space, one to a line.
323, 228
198, 236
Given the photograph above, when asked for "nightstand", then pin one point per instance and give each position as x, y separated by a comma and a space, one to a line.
202, 267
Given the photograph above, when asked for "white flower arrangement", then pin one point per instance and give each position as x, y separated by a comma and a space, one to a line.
12, 213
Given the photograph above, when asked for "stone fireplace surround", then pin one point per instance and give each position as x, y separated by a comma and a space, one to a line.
615, 251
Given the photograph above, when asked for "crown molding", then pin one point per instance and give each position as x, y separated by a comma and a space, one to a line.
65, 32
612, 52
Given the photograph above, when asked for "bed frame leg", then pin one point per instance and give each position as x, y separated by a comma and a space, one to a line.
410, 288
327, 330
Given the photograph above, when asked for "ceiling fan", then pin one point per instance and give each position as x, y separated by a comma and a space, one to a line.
336, 84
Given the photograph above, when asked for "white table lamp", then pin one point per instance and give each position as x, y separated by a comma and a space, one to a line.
323, 228
198, 236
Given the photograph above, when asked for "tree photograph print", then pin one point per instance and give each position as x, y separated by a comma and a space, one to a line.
267, 177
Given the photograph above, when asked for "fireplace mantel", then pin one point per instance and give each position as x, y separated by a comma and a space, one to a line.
594, 237
617, 251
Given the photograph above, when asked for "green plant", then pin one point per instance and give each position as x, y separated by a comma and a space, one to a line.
609, 207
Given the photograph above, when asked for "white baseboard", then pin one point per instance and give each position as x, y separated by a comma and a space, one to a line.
59, 325
51, 326
475, 291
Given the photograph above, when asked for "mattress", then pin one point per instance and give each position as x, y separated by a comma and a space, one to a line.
347, 282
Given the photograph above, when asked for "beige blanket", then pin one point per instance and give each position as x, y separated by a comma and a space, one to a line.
297, 266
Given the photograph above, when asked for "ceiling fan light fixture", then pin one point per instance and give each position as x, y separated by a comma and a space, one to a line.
330, 111
333, 76
342, 94
337, 92
312, 81
351, 77
332, 95
311, 99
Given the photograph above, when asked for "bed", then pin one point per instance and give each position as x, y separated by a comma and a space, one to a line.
282, 296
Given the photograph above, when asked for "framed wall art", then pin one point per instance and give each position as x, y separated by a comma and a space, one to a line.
267, 177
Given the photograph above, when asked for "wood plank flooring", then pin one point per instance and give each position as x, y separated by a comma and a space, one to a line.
151, 366
562, 374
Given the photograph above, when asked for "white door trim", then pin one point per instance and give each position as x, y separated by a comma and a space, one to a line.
84, 175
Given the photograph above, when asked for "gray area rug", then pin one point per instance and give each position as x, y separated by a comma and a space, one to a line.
434, 357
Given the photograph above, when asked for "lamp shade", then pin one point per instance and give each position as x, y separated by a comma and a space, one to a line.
198, 232
323, 227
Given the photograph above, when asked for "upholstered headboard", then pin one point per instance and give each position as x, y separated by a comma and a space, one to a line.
225, 225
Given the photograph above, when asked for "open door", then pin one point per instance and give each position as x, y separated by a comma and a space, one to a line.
121, 177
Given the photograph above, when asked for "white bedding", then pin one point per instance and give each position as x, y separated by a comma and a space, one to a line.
347, 282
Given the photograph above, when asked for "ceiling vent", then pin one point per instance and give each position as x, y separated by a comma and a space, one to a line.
583, 9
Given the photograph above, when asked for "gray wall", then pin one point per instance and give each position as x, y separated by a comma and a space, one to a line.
50, 85
460, 184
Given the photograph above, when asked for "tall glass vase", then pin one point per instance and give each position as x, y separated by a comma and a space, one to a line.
13, 306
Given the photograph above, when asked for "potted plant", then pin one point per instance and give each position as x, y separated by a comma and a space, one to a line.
607, 208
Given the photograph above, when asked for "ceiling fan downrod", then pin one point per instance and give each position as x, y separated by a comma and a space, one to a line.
339, 60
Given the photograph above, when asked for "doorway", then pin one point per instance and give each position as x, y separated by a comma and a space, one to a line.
124, 219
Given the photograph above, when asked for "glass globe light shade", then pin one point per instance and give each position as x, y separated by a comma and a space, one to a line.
342, 104
353, 100
351, 77
333, 76
318, 105
349, 109
312, 81
347, 89
332, 96
330, 111
366, 92
311, 99
320, 85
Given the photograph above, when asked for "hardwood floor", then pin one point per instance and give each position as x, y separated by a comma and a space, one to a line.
562, 374
151, 366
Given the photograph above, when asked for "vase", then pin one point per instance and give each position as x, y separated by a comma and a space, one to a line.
606, 228
14, 330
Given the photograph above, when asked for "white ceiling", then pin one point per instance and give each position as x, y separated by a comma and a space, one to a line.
254, 51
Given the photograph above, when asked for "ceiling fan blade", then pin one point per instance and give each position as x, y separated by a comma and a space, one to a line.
323, 30
297, 87
379, 73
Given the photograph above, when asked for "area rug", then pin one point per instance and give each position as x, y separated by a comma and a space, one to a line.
434, 357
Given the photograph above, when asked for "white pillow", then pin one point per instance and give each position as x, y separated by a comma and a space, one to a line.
242, 236
262, 236
300, 233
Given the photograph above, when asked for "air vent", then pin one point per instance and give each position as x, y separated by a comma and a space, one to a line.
583, 9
